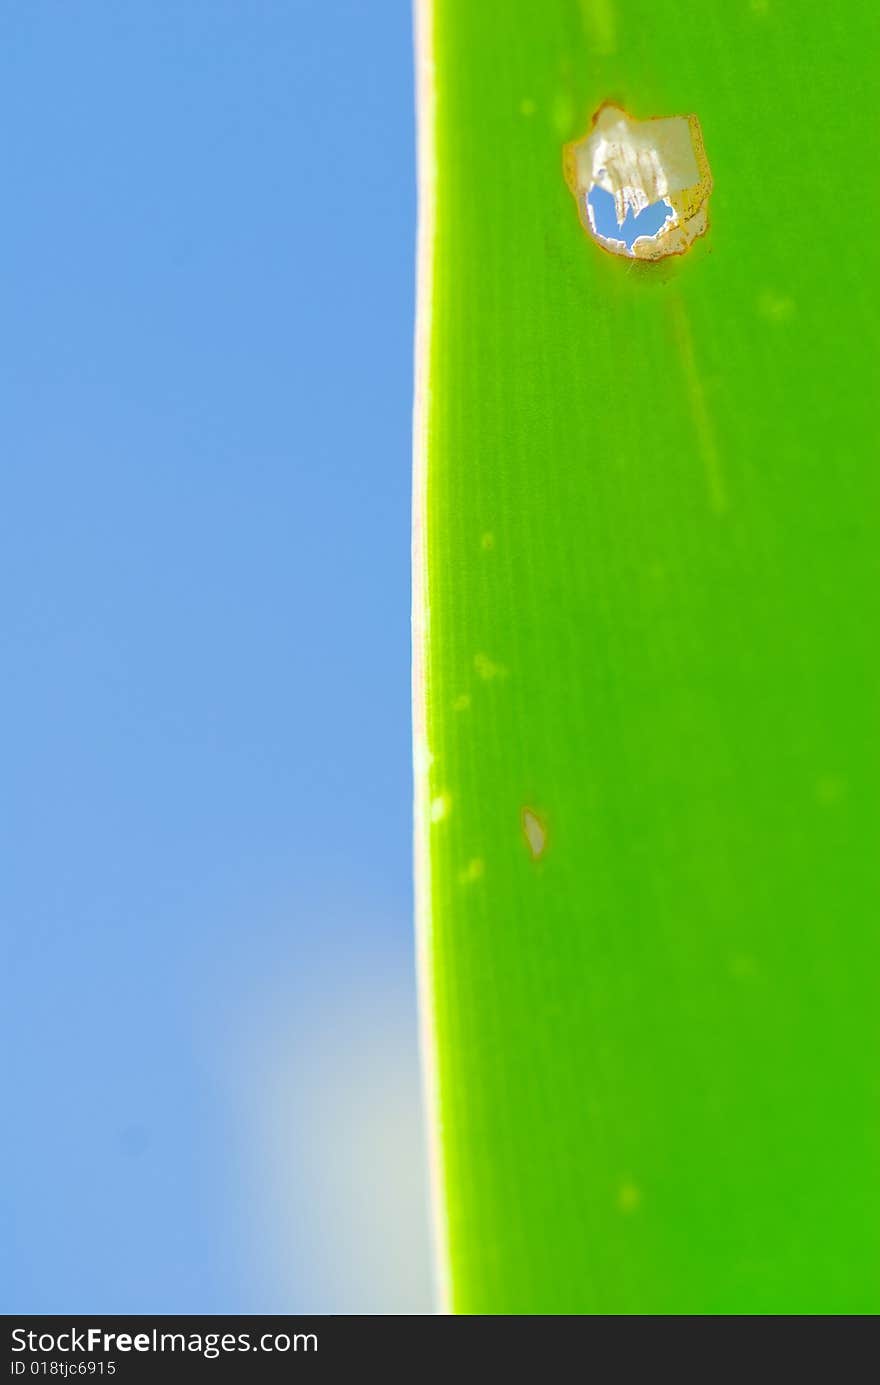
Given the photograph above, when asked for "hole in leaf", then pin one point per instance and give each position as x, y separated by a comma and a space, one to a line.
603, 218
641, 186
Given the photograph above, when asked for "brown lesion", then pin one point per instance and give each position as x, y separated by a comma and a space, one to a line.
535, 832
641, 162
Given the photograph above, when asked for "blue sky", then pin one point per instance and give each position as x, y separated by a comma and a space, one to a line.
205, 899
648, 222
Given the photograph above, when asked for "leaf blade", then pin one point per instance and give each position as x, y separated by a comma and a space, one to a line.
664, 649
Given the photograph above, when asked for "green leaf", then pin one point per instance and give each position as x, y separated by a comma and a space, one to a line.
646, 683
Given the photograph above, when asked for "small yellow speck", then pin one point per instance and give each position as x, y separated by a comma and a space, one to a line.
487, 668
775, 307
598, 17
440, 807
629, 1197
473, 871
527, 106
462, 702
534, 831
743, 967
563, 113
830, 789
487, 542
759, 7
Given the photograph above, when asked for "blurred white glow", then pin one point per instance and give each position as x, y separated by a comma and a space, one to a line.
320, 1068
